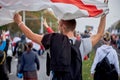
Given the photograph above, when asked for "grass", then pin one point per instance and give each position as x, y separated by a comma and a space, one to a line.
87, 66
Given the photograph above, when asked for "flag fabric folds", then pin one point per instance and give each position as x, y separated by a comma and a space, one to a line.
63, 9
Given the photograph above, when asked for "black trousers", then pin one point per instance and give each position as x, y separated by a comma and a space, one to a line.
8, 62
3, 72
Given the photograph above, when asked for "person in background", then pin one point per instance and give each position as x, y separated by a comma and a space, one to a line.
86, 35
113, 41
105, 50
9, 56
29, 61
20, 47
77, 35
3, 41
118, 42
41, 50
48, 28
3, 71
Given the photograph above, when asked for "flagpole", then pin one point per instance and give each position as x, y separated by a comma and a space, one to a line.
23, 18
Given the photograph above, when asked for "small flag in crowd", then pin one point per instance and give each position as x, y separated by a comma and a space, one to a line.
63, 9
7, 33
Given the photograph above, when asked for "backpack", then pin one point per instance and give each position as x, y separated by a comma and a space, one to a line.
105, 71
64, 57
104, 65
20, 48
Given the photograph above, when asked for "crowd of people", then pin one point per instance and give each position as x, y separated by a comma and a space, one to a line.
65, 51
10, 48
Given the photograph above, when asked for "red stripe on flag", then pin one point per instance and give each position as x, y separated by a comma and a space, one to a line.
92, 9
6, 34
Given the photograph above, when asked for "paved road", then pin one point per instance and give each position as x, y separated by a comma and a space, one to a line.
41, 73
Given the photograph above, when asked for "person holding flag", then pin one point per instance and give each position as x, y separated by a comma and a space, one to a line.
67, 28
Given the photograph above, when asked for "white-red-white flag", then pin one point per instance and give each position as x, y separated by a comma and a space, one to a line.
63, 9
7, 33
16, 39
6, 16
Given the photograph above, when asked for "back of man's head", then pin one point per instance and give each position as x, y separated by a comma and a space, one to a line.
70, 24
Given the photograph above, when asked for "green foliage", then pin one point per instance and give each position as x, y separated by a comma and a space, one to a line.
3, 27
33, 21
35, 24
118, 26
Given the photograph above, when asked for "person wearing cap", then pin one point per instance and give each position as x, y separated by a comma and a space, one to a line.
102, 51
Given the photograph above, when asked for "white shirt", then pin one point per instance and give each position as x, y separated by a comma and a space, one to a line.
9, 51
85, 46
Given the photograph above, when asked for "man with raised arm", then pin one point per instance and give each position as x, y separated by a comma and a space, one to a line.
66, 27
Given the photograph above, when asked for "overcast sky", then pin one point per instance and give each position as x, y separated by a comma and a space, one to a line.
113, 16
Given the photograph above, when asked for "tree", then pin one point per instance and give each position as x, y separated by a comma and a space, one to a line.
33, 21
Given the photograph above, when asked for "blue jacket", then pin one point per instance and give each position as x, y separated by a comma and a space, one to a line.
29, 61
2, 46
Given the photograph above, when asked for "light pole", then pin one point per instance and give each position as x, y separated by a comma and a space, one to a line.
24, 17
41, 18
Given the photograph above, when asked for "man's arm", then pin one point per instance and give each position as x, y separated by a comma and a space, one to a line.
101, 28
34, 37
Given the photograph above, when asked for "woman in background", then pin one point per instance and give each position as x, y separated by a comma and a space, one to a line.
29, 64
9, 56
106, 50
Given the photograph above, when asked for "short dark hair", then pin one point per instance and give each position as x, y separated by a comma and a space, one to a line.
70, 24
30, 45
